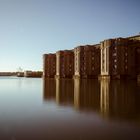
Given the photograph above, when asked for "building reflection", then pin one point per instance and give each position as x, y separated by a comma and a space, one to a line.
119, 99
111, 99
86, 94
49, 88
76, 93
64, 91
104, 96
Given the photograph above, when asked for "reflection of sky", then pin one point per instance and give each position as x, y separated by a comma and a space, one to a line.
18, 96
30, 28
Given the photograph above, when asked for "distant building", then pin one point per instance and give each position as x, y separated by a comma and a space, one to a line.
120, 58
27, 73
87, 61
34, 74
49, 65
65, 64
8, 74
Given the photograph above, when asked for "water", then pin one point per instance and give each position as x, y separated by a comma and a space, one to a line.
36, 109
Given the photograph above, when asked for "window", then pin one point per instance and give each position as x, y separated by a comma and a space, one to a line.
84, 68
115, 66
126, 54
114, 54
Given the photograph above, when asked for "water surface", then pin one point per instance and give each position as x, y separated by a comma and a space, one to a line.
33, 108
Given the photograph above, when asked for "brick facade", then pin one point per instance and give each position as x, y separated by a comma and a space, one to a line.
65, 64
119, 58
87, 61
49, 65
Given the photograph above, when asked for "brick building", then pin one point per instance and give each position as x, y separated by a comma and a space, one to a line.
137, 53
120, 58
116, 58
136, 37
87, 61
49, 65
65, 64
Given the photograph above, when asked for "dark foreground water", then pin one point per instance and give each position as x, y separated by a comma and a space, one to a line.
33, 109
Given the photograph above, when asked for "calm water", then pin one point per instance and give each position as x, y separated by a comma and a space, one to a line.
34, 109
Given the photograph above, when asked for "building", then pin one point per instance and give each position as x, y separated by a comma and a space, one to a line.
65, 64
137, 63
87, 61
136, 37
35, 74
117, 58
49, 65
120, 58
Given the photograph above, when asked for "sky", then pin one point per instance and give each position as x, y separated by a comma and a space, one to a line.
30, 28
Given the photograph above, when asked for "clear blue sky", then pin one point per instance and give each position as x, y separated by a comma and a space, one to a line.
30, 28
